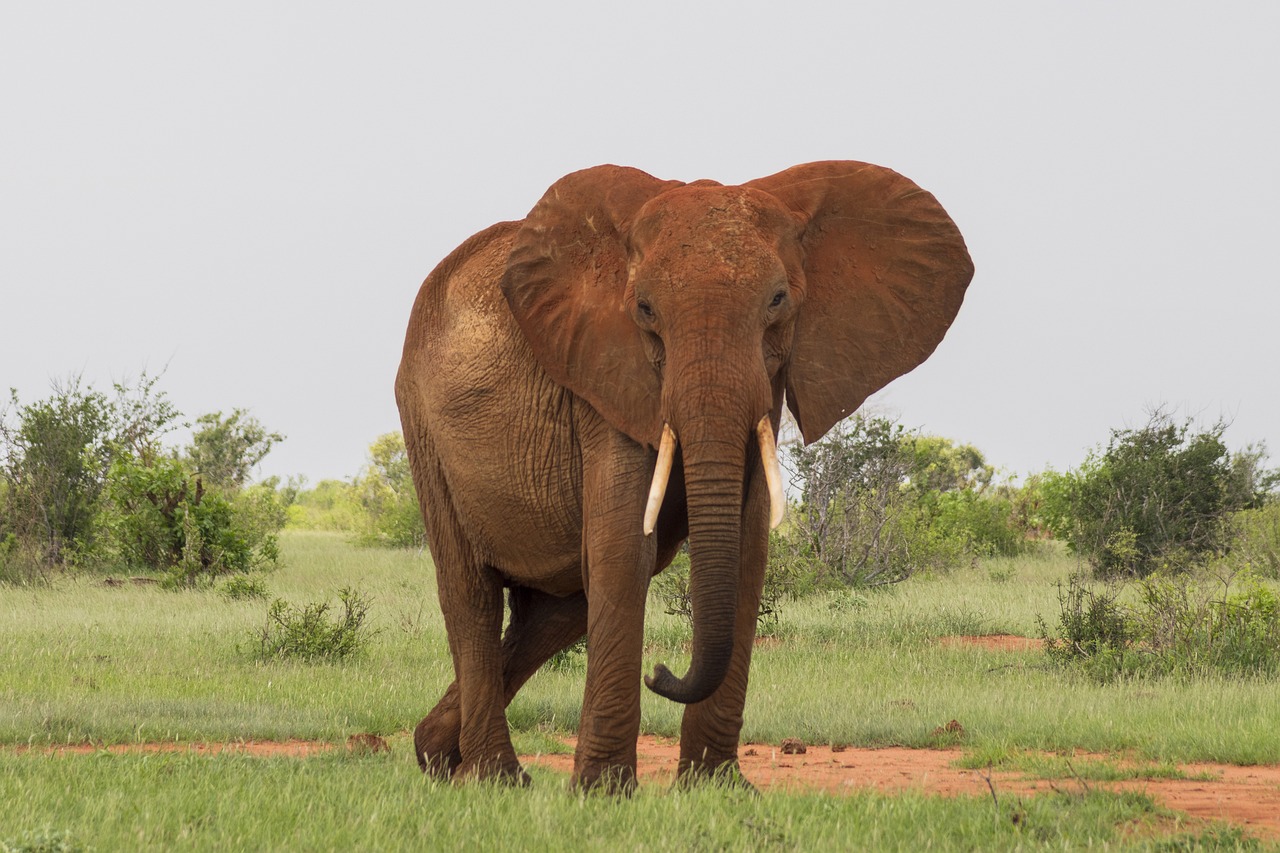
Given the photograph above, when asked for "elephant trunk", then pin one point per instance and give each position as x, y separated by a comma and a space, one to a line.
715, 452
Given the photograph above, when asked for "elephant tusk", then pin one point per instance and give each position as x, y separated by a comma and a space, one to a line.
661, 473
772, 472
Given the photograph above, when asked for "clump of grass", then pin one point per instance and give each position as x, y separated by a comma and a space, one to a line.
244, 587
571, 658
1179, 625
1092, 627
309, 633
43, 841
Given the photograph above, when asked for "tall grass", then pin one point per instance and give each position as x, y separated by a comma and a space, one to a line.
337, 802
82, 662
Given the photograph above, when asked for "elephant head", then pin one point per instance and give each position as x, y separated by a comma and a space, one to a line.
684, 313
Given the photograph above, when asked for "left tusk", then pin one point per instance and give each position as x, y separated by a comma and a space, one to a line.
772, 472
661, 473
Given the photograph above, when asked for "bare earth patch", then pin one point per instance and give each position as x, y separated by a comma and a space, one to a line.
1246, 796
995, 643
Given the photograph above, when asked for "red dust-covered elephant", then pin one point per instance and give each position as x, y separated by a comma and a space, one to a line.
585, 389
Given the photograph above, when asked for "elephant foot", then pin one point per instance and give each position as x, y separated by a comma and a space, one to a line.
726, 774
611, 780
493, 771
436, 745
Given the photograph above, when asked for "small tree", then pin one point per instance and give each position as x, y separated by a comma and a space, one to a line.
225, 450
1157, 495
55, 455
386, 492
859, 521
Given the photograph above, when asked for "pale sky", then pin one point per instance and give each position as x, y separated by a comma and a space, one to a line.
251, 193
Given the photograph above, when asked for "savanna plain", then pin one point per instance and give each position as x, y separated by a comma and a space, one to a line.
114, 670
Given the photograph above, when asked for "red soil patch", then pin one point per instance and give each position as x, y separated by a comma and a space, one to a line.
1248, 796
265, 748
996, 643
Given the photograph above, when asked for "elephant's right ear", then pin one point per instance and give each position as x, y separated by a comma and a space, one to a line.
885, 272
566, 282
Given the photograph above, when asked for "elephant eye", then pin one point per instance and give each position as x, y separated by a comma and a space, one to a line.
777, 298
646, 310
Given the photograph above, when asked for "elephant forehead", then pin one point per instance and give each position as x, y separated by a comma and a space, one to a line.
705, 234
713, 211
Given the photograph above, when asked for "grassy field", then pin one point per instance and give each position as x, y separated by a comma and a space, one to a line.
84, 662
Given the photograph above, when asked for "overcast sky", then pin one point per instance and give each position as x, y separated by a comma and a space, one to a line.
247, 195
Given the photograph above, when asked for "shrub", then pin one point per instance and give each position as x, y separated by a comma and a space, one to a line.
330, 505
386, 492
1091, 625
1157, 496
309, 633
1189, 626
859, 522
1257, 539
671, 587
1180, 624
243, 587
56, 453
84, 480
160, 517
224, 450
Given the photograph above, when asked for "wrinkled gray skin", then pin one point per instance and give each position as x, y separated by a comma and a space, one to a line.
543, 358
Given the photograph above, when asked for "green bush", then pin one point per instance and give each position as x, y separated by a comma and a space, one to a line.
386, 491
1159, 496
1257, 539
860, 521
781, 580
1194, 627
243, 587
331, 505
985, 523
85, 481
224, 450
1179, 624
56, 454
309, 633
1092, 628
160, 517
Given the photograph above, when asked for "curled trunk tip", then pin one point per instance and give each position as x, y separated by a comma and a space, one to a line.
668, 685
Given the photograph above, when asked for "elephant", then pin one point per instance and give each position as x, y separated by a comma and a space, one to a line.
584, 390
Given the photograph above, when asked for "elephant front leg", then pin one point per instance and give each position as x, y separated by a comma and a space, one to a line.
710, 730
618, 560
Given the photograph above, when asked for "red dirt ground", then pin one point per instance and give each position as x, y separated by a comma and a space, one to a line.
1246, 796
996, 643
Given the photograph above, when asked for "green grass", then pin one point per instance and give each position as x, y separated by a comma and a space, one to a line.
83, 662
381, 802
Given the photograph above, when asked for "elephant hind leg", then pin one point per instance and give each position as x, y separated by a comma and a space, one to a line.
541, 625
435, 740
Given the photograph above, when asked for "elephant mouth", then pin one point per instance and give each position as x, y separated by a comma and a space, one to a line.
768, 456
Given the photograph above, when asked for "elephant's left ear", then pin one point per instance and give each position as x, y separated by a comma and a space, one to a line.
885, 272
566, 283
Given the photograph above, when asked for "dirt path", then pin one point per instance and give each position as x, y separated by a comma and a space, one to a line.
1246, 796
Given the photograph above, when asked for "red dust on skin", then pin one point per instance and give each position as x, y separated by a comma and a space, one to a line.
1248, 796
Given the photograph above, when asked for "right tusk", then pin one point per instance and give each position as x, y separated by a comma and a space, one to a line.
772, 472
661, 473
